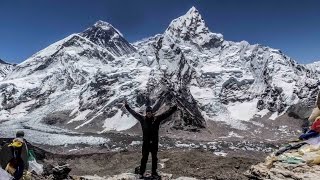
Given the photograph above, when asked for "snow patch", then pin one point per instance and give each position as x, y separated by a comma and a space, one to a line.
243, 111
221, 154
119, 122
81, 116
134, 143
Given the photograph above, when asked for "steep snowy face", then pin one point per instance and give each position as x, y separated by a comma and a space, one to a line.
240, 76
172, 86
146, 49
76, 83
191, 28
105, 35
169, 81
269, 76
73, 55
228, 76
55, 74
5, 68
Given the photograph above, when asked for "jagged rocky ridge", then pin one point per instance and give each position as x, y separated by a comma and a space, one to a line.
5, 68
79, 82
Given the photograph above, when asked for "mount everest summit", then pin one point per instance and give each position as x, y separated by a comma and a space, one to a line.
78, 83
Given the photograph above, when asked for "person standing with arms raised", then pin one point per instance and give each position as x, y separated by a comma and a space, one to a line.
150, 124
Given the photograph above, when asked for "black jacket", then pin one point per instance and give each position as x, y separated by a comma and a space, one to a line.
150, 126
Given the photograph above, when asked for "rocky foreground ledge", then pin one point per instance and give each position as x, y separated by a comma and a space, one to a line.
282, 171
130, 176
295, 161
123, 176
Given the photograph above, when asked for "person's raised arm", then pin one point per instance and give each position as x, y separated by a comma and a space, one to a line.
138, 116
166, 114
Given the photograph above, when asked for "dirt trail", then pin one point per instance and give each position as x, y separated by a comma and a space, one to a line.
188, 163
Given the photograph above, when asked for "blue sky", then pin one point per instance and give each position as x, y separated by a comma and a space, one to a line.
27, 26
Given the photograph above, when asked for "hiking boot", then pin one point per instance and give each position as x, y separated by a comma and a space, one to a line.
137, 170
155, 175
141, 176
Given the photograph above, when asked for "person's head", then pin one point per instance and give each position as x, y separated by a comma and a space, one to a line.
149, 113
20, 134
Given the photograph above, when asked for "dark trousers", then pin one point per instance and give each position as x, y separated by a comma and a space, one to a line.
146, 148
19, 166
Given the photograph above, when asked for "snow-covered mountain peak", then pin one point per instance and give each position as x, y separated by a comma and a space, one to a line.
192, 28
106, 26
193, 12
61, 55
107, 36
190, 22
193, 9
